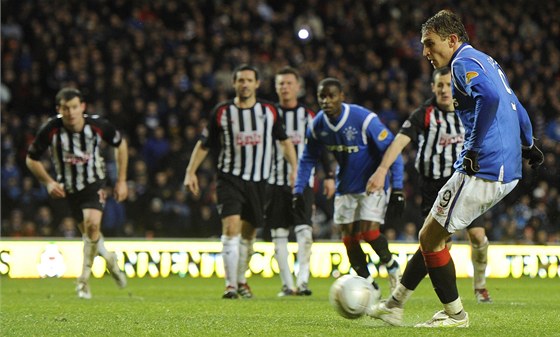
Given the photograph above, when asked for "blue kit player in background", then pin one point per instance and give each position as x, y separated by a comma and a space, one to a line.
498, 133
357, 139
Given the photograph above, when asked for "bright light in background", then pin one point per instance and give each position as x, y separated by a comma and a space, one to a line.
303, 34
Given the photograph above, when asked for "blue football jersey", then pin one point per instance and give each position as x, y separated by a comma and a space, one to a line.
358, 140
496, 123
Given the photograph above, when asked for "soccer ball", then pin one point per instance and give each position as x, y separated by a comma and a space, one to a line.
352, 295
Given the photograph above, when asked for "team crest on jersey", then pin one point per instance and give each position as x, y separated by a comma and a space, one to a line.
470, 75
382, 135
350, 133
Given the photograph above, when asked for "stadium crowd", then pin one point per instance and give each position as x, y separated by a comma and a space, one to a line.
156, 68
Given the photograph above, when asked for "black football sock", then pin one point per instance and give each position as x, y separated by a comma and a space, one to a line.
442, 274
379, 243
356, 255
415, 271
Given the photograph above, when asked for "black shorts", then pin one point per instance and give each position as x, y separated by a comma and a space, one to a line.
239, 197
92, 196
430, 189
279, 210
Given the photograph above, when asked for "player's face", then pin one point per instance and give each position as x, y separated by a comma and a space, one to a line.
72, 112
436, 49
442, 89
287, 87
330, 100
245, 84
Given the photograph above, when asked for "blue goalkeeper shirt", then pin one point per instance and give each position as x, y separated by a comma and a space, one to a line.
358, 140
496, 124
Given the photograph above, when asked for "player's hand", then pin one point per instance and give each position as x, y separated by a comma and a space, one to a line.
121, 191
377, 180
470, 162
298, 203
396, 205
534, 155
293, 178
191, 183
56, 190
329, 187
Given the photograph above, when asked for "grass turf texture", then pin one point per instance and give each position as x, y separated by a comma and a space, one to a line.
193, 307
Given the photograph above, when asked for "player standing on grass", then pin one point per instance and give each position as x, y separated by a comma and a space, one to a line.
357, 139
74, 139
242, 131
439, 133
280, 215
498, 133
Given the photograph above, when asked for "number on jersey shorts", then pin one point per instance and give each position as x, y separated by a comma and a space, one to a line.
361, 206
464, 198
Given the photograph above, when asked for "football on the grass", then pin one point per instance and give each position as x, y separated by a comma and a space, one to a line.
352, 295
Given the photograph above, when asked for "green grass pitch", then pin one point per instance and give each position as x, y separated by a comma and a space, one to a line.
192, 307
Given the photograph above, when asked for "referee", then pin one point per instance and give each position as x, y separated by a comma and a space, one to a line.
439, 134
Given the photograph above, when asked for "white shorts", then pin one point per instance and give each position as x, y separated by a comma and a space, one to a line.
352, 207
464, 198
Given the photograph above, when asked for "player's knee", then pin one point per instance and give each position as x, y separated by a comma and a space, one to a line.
304, 233
279, 233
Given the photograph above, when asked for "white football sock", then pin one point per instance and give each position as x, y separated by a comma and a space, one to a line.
280, 239
399, 296
304, 237
90, 252
455, 309
479, 258
230, 255
245, 253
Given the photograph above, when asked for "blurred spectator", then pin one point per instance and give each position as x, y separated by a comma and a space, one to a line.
157, 68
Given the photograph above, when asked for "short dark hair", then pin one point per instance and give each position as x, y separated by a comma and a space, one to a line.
245, 67
66, 94
445, 23
330, 81
440, 71
288, 70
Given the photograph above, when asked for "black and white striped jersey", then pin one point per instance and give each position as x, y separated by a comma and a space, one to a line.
439, 136
76, 155
244, 138
295, 121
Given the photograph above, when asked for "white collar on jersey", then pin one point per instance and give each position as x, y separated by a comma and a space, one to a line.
341, 121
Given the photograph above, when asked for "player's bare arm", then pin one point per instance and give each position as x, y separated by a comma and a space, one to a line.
191, 180
121, 155
377, 180
55, 189
289, 152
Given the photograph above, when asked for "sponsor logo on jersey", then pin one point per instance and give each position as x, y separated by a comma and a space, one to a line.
296, 138
73, 159
343, 148
248, 138
382, 135
406, 124
447, 139
470, 75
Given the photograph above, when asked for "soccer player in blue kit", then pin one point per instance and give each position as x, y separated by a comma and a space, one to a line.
357, 139
498, 133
